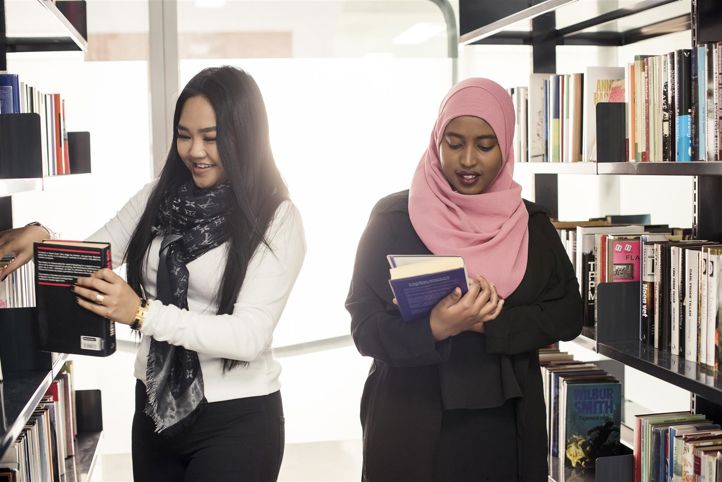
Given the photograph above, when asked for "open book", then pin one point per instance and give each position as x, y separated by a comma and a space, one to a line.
419, 282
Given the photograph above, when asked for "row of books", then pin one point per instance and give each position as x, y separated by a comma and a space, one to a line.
680, 297
17, 290
680, 300
48, 438
585, 243
17, 97
672, 109
583, 414
677, 447
556, 117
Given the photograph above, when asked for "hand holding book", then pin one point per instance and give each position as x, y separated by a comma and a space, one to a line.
108, 295
438, 286
456, 313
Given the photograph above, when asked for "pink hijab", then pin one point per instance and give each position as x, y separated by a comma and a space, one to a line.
489, 230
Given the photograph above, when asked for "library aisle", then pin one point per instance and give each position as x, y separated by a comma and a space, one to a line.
321, 392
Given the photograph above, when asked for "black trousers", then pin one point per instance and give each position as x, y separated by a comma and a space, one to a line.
237, 440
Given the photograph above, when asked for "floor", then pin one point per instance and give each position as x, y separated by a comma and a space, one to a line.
333, 461
321, 392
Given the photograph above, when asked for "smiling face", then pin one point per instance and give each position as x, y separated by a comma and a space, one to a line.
196, 142
470, 154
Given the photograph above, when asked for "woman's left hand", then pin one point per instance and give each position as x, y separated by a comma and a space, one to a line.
108, 295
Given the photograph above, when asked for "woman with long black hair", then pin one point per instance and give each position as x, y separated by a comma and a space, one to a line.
213, 248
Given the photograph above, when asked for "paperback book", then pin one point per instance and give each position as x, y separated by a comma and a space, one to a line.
419, 282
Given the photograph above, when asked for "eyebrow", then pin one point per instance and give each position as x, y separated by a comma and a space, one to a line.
482, 137
204, 130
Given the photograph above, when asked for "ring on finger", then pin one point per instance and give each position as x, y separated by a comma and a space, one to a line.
99, 298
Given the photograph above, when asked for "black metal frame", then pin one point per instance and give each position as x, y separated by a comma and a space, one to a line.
3, 38
75, 41
575, 35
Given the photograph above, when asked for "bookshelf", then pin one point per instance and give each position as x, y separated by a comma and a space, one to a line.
622, 168
546, 24
37, 26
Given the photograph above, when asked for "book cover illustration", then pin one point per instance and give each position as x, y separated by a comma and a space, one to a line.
625, 260
592, 424
601, 84
420, 282
63, 325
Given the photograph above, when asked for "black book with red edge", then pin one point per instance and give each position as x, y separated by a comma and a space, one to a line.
62, 325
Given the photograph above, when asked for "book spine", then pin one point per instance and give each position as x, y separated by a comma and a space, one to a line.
715, 303
647, 295
683, 106
666, 114
691, 307
702, 306
694, 117
657, 294
711, 104
674, 298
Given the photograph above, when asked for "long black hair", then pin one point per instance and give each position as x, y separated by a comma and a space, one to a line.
245, 151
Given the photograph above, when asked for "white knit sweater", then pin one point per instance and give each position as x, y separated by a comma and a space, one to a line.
246, 334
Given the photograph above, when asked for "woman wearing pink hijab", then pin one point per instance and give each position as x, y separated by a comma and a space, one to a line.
456, 396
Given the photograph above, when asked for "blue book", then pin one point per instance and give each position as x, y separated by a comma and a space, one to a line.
9, 94
592, 417
419, 282
683, 104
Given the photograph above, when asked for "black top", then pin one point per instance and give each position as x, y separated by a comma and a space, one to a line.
414, 378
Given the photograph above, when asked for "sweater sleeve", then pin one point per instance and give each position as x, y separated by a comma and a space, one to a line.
119, 229
246, 333
556, 314
376, 324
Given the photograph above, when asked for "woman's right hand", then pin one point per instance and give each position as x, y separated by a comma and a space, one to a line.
456, 313
18, 242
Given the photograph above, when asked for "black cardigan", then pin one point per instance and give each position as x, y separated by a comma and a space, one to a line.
414, 378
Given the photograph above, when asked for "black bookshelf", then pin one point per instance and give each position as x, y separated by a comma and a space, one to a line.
665, 366
605, 24
588, 168
8, 187
700, 168
78, 468
21, 392
39, 25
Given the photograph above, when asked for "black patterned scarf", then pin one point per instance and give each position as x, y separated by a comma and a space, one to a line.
191, 221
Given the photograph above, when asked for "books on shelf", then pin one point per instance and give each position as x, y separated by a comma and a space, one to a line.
17, 97
419, 282
583, 414
672, 109
599, 83
9, 94
678, 280
64, 326
48, 437
18, 288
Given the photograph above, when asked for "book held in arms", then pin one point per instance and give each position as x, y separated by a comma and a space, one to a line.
419, 282
63, 325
